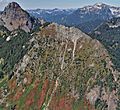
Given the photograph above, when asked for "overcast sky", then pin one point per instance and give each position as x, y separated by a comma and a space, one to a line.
33, 4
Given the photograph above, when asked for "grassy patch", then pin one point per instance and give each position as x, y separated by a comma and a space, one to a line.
27, 91
38, 91
1, 108
79, 105
3, 81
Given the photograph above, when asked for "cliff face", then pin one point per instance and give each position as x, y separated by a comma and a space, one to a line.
14, 17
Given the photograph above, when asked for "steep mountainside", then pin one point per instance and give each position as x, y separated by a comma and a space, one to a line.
109, 34
56, 68
64, 69
86, 18
14, 17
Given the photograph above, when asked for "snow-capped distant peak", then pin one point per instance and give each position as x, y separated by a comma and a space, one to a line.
99, 5
115, 11
51, 11
95, 6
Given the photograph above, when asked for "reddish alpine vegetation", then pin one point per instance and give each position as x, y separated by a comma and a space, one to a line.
43, 94
30, 98
18, 95
65, 103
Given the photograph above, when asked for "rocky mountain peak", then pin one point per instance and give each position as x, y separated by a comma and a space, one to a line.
100, 4
14, 17
12, 6
14, 10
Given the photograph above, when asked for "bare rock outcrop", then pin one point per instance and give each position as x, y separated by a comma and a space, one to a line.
14, 17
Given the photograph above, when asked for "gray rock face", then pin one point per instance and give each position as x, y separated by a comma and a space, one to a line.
1, 22
14, 17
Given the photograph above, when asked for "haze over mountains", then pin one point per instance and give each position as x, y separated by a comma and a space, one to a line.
86, 18
47, 66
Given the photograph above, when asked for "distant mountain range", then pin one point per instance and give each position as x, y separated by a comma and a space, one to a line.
86, 18
50, 12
